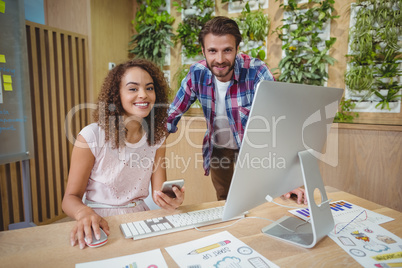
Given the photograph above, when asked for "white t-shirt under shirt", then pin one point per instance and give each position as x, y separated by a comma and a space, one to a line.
223, 136
119, 176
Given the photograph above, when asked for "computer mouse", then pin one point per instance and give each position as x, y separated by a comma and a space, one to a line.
97, 242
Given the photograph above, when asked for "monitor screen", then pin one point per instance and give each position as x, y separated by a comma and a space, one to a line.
284, 120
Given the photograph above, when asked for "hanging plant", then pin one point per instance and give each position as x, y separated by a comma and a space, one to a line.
236, 6
306, 52
345, 113
232, 1
195, 14
375, 52
391, 95
154, 31
254, 27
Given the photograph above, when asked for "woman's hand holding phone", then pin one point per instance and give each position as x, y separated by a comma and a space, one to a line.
171, 196
167, 187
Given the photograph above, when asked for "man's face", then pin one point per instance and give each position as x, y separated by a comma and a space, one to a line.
220, 53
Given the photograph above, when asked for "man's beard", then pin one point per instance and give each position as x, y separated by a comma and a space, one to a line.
231, 67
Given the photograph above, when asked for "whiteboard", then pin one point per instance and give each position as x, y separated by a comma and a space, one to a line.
16, 136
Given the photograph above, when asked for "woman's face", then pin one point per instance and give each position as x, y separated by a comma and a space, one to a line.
137, 93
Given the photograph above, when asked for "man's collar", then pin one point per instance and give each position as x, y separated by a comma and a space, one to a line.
236, 69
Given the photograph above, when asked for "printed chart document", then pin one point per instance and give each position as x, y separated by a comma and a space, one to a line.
344, 211
357, 231
152, 258
370, 244
219, 250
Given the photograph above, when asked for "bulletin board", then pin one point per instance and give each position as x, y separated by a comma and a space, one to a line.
16, 136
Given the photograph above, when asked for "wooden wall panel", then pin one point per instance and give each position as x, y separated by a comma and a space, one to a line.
390, 177
15, 196
62, 110
37, 171
54, 186
111, 30
369, 164
184, 160
45, 112
71, 15
4, 193
10, 194
57, 68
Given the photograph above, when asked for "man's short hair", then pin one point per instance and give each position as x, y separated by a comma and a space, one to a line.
220, 25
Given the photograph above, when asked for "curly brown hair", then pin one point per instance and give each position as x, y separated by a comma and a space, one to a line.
109, 113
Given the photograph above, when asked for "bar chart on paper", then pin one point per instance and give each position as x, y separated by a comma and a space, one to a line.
344, 211
131, 265
337, 206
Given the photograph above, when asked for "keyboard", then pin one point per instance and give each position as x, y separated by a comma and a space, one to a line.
173, 223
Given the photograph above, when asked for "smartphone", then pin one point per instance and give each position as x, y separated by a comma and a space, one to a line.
167, 187
95, 242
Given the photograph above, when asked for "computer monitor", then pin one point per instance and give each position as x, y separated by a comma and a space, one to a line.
284, 137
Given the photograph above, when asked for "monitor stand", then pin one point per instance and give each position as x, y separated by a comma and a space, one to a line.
321, 220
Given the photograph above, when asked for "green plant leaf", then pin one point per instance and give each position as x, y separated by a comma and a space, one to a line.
321, 16
261, 54
299, 76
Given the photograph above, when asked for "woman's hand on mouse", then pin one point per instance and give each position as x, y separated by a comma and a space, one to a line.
169, 203
87, 220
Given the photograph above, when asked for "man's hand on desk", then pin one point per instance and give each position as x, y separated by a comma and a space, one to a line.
87, 220
300, 195
166, 202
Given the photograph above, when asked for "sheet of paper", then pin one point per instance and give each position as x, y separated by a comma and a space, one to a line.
219, 250
357, 232
152, 259
370, 244
344, 211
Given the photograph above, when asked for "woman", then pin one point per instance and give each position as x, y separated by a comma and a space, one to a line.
115, 159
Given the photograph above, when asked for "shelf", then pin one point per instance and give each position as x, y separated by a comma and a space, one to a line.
359, 126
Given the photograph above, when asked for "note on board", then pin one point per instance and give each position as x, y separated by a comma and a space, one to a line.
1, 91
2, 58
7, 78
2, 6
8, 87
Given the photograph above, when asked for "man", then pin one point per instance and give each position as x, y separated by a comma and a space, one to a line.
224, 83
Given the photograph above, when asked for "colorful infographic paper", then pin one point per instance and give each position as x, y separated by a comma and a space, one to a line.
357, 231
344, 211
370, 244
220, 250
150, 259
